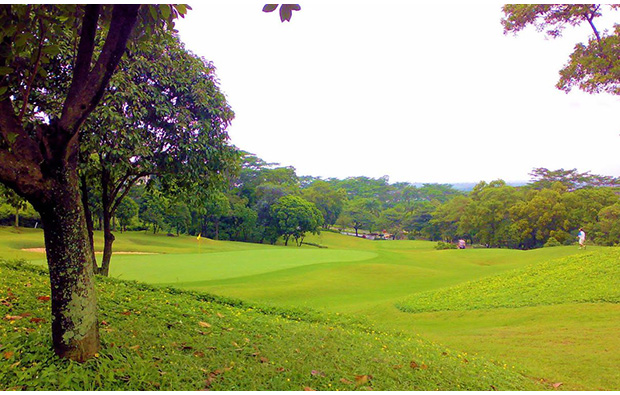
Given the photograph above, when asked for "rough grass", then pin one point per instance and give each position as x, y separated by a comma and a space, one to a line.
588, 278
166, 339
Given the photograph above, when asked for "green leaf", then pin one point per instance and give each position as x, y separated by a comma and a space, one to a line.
51, 50
181, 9
165, 10
11, 137
286, 11
6, 70
270, 7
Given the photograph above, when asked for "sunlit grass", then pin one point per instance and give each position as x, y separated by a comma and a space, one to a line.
158, 339
587, 278
540, 340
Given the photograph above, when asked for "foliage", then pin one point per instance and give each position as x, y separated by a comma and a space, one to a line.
327, 198
127, 210
487, 219
552, 242
571, 179
609, 225
445, 246
592, 67
295, 217
286, 10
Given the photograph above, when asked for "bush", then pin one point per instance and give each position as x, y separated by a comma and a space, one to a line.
445, 246
552, 242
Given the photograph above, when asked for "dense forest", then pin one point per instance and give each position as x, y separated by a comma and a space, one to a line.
264, 202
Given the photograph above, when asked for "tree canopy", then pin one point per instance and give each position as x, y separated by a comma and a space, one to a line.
594, 66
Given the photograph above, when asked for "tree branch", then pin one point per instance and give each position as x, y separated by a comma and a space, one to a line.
590, 18
22, 176
17, 140
86, 90
128, 187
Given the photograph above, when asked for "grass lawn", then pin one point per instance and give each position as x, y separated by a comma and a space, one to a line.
510, 306
160, 339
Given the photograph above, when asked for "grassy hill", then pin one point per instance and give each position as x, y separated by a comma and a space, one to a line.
591, 278
165, 339
551, 313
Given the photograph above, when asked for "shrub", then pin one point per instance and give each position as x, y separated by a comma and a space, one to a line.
445, 246
552, 242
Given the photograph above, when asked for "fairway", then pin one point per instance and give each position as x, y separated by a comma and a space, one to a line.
552, 313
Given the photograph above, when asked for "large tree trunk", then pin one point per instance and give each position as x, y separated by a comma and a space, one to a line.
75, 332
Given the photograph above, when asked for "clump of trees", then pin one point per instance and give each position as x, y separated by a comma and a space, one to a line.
553, 206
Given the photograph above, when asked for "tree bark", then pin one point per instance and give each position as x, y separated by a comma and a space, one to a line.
75, 333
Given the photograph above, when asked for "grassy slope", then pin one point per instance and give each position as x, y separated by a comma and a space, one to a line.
545, 341
158, 339
560, 317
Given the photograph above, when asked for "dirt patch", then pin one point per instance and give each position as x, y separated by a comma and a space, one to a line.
42, 251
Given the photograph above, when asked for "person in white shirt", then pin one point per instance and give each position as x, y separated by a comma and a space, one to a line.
582, 238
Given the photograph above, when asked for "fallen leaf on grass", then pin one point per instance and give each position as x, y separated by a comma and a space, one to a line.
317, 373
135, 347
8, 354
199, 354
204, 324
263, 360
37, 320
414, 365
103, 323
220, 315
363, 379
309, 389
13, 317
43, 298
345, 381
557, 385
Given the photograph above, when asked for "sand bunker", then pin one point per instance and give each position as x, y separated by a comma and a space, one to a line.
42, 251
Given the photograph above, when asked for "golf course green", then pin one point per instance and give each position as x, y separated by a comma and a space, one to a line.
552, 313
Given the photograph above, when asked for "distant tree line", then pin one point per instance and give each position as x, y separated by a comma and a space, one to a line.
547, 211
265, 202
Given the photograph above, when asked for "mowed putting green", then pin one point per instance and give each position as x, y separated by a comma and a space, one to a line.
185, 269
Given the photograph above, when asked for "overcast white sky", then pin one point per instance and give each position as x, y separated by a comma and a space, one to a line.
418, 92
